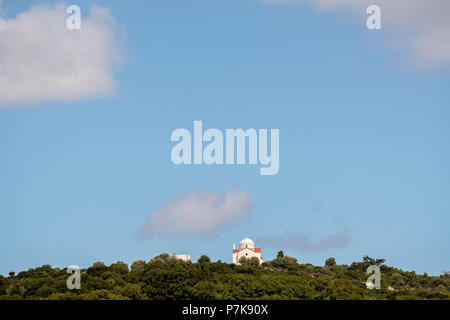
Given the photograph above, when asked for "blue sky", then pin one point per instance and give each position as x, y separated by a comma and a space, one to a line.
364, 139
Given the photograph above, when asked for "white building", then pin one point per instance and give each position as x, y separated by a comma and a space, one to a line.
246, 249
184, 257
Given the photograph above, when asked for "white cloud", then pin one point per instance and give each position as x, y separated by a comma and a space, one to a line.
421, 27
42, 60
197, 213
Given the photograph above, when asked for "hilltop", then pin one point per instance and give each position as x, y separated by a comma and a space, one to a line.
165, 277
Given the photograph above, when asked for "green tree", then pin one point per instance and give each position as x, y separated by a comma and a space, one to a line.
164, 256
284, 262
330, 262
138, 266
373, 261
97, 268
252, 262
119, 267
203, 259
280, 254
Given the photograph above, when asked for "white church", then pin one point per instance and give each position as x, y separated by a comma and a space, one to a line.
246, 249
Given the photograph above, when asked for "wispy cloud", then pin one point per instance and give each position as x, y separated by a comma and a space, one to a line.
305, 243
197, 213
42, 60
420, 27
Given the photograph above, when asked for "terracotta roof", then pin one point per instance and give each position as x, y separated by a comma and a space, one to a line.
257, 250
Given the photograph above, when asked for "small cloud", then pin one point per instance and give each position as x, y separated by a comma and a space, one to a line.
422, 28
42, 60
304, 243
197, 213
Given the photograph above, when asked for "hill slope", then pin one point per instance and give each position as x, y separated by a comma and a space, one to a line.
164, 277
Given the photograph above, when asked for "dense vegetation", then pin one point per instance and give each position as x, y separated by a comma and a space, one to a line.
164, 277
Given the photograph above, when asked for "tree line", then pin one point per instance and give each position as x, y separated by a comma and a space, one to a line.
165, 277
